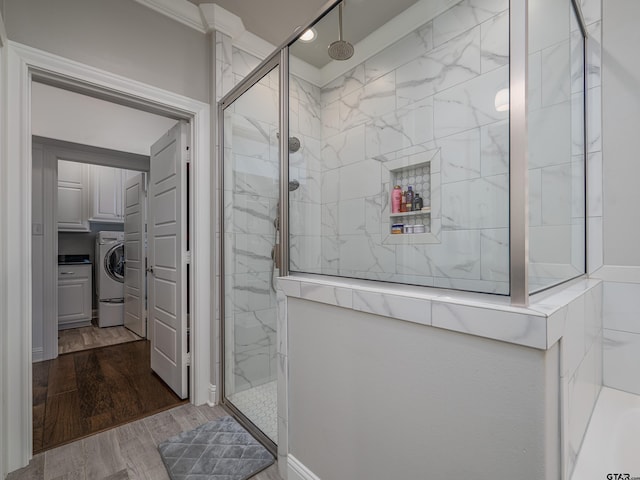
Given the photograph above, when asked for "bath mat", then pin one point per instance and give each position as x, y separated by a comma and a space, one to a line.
218, 450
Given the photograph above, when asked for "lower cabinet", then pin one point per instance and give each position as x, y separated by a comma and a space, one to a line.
74, 296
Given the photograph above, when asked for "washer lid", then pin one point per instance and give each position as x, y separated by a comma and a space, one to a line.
114, 262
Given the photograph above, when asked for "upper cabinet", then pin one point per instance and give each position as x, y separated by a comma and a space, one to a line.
89, 193
106, 194
73, 198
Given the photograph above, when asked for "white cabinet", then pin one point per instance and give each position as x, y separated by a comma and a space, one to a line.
74, 296
89, 193
72, 197
106, 194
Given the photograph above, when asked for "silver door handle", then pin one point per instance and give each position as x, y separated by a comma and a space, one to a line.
150, 270
67, 273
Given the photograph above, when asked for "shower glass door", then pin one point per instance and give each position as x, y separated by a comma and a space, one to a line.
250, 191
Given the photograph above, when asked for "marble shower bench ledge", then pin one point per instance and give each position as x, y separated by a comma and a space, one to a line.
540, 325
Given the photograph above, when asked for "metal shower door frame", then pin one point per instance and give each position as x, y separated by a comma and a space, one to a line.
272, 62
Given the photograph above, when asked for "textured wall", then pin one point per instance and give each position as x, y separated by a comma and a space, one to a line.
119, 36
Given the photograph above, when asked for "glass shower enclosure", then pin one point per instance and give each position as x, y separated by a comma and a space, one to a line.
478, 107
251, 172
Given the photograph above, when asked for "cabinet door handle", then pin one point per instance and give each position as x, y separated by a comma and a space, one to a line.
150, 270
67, 273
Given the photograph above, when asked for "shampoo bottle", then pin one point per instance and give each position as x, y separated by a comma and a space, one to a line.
417, 203
396, 198
409, 199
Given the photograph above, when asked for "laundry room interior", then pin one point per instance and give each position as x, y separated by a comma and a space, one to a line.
85, 153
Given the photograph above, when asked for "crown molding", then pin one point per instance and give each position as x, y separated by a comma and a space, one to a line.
209, 17
180, 10
217, 18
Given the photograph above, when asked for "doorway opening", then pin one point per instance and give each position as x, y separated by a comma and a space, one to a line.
109, 251
24, 65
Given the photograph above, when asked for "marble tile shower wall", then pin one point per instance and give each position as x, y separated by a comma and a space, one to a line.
581, 366
585, 343
251, 201
305, 165
434, 89
251, 196
622, 336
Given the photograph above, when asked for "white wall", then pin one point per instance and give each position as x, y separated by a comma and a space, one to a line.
120, 36
621, 195
621, 117
3, 273
377, 398
69, 116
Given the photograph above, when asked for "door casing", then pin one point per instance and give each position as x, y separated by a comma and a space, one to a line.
25, 64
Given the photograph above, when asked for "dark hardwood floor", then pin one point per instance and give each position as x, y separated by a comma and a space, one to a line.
81, 393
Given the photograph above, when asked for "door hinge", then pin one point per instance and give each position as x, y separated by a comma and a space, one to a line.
187, 258
188, 155
187, 359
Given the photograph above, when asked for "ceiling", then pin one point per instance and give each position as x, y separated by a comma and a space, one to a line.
276, 20
271, 20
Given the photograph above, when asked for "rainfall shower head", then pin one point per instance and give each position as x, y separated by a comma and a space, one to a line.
340, 49
294, 185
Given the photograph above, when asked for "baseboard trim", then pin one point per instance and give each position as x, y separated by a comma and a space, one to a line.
297, 471
213, 399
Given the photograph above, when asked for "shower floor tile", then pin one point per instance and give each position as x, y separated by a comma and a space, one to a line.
260, 405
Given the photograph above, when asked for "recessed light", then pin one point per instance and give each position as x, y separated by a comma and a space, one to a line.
308, 36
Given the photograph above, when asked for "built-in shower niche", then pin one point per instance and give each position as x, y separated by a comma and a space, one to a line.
421, 171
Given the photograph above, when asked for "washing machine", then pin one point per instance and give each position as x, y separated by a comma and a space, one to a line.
110, 278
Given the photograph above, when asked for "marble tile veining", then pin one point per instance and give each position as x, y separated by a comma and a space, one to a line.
557, 312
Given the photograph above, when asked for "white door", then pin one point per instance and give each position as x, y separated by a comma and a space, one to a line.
134, 254
167, 253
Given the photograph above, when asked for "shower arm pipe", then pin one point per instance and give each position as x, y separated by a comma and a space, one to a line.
340, 7
519, 153
284, 162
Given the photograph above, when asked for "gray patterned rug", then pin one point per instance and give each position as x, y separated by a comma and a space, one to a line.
218, 450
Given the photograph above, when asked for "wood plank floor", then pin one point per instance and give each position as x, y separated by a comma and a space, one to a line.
85, 392
85, 338
126, 452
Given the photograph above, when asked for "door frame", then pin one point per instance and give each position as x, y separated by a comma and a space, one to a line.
25, 64
278, 59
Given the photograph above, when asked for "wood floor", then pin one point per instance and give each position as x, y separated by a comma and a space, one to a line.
127, 452
85, 338
81, 393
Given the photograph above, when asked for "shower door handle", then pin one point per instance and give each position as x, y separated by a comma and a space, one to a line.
275, 254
